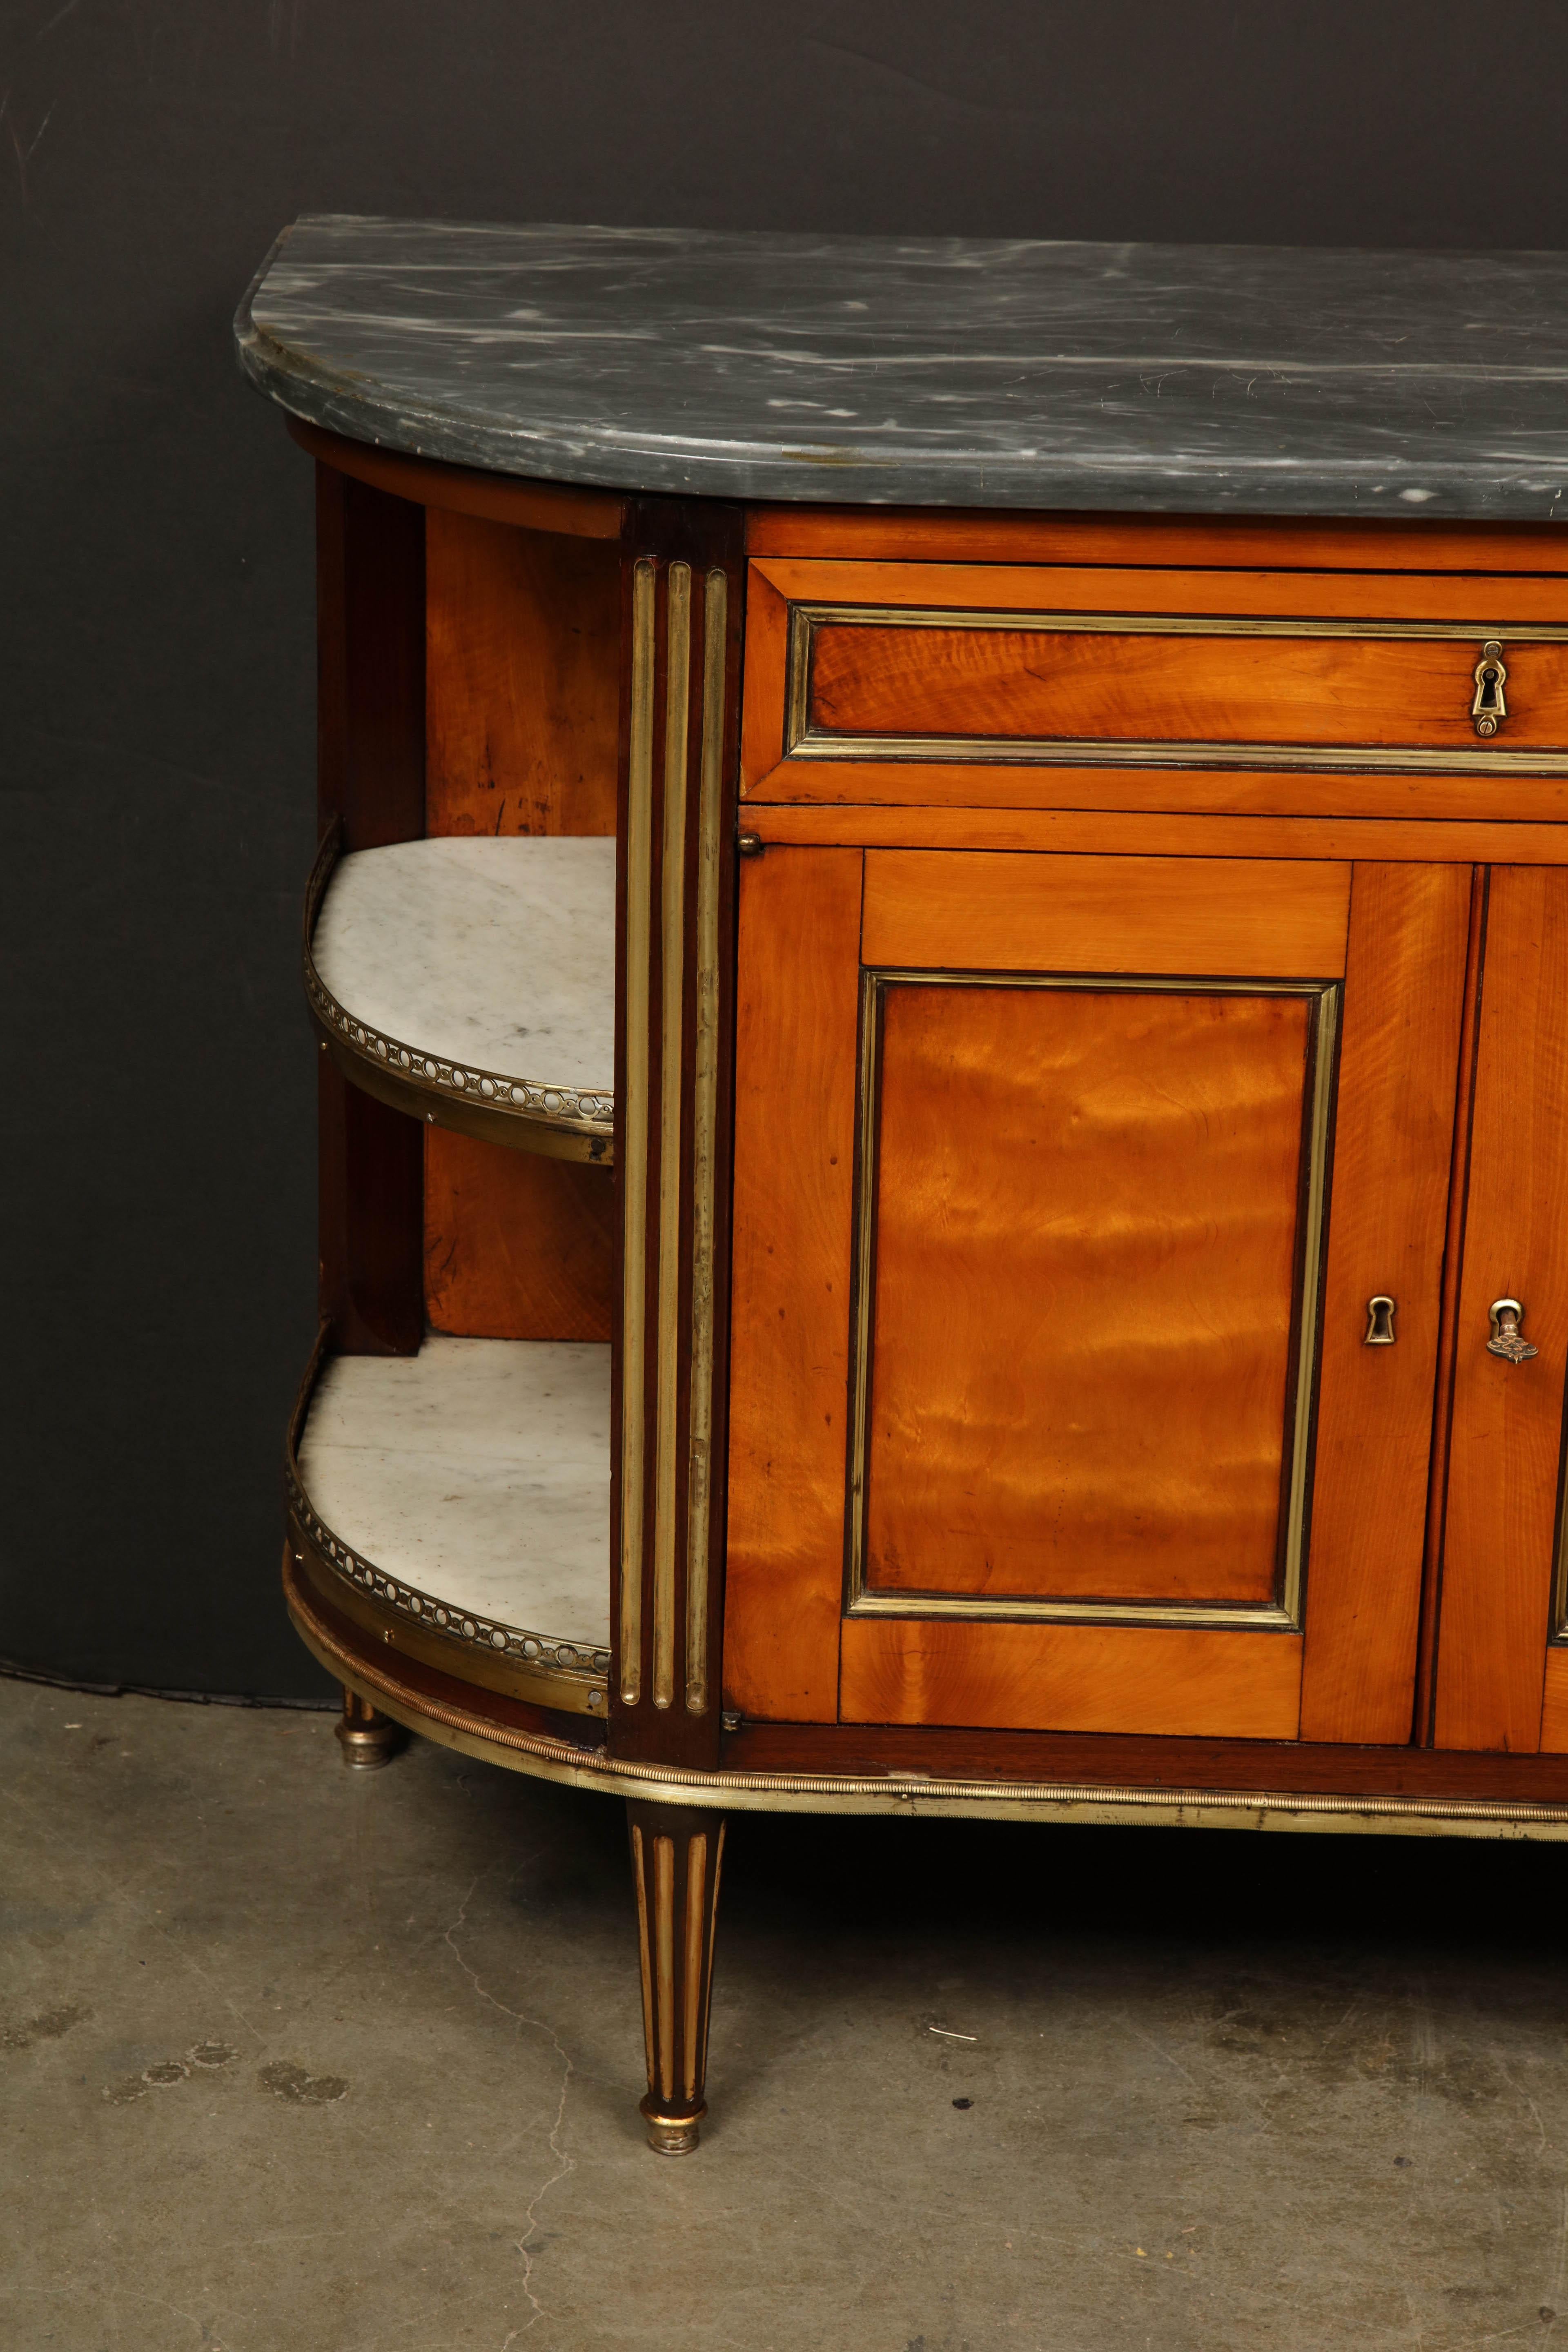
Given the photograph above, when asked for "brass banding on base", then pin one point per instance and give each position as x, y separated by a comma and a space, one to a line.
908, 1794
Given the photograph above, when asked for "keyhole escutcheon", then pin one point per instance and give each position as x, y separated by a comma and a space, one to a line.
1379, 1321
1489, 708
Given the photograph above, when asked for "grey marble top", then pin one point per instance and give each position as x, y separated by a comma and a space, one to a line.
934, 371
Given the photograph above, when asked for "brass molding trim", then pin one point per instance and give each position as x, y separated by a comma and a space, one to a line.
538, 1666
672, 973
634, 1126
526, 1114
906, 1794
704, 1139
1283, 1615
802, 741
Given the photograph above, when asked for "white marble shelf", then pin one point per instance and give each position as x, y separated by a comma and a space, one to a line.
471, 1485
479, 971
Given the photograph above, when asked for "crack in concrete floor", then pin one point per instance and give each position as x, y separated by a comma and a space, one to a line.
1189, 2092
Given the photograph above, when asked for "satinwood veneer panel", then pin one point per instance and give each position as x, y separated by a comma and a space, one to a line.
1086, 1206
1039, 684
1507, 1434
516, 1246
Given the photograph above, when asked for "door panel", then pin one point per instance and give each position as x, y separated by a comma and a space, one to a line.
1507, 1432
1405, 984
1087, 1207
1016, 1365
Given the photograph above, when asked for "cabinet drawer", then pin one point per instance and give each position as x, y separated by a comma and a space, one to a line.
935, 669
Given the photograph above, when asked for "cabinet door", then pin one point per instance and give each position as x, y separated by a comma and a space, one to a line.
1062, 1186
1503, 1607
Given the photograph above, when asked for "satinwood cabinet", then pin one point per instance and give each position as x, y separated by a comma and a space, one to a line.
943, 1044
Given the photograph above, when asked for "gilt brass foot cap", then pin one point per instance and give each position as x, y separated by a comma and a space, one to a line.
367, 1745
671, 2134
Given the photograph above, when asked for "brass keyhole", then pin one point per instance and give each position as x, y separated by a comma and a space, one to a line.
1489, 707
1379, 1322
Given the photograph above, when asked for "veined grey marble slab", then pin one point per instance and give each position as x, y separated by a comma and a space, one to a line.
478, 1471
495, 954
926, 370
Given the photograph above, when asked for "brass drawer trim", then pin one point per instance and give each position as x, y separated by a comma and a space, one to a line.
551, 1758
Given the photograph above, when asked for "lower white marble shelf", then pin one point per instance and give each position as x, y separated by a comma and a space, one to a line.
472, 982
467, 1489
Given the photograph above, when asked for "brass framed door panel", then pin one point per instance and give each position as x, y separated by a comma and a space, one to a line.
1501, 1537
1089, 1225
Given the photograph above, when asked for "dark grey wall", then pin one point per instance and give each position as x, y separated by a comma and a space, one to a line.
155, 637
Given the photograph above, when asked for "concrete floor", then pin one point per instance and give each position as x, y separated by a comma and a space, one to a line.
295, 2058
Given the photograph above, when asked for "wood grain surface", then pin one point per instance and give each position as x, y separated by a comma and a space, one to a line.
1130, 1678
1075, 685
516, 1246
797, 1009
1393, 1140
1506, 1433
1086, 1206
986, 912
522, 652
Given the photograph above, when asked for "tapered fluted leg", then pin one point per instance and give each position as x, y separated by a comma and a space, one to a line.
369, 1737
676, 1854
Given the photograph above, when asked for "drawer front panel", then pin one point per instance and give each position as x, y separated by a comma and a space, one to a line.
1067, 683
944, 682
